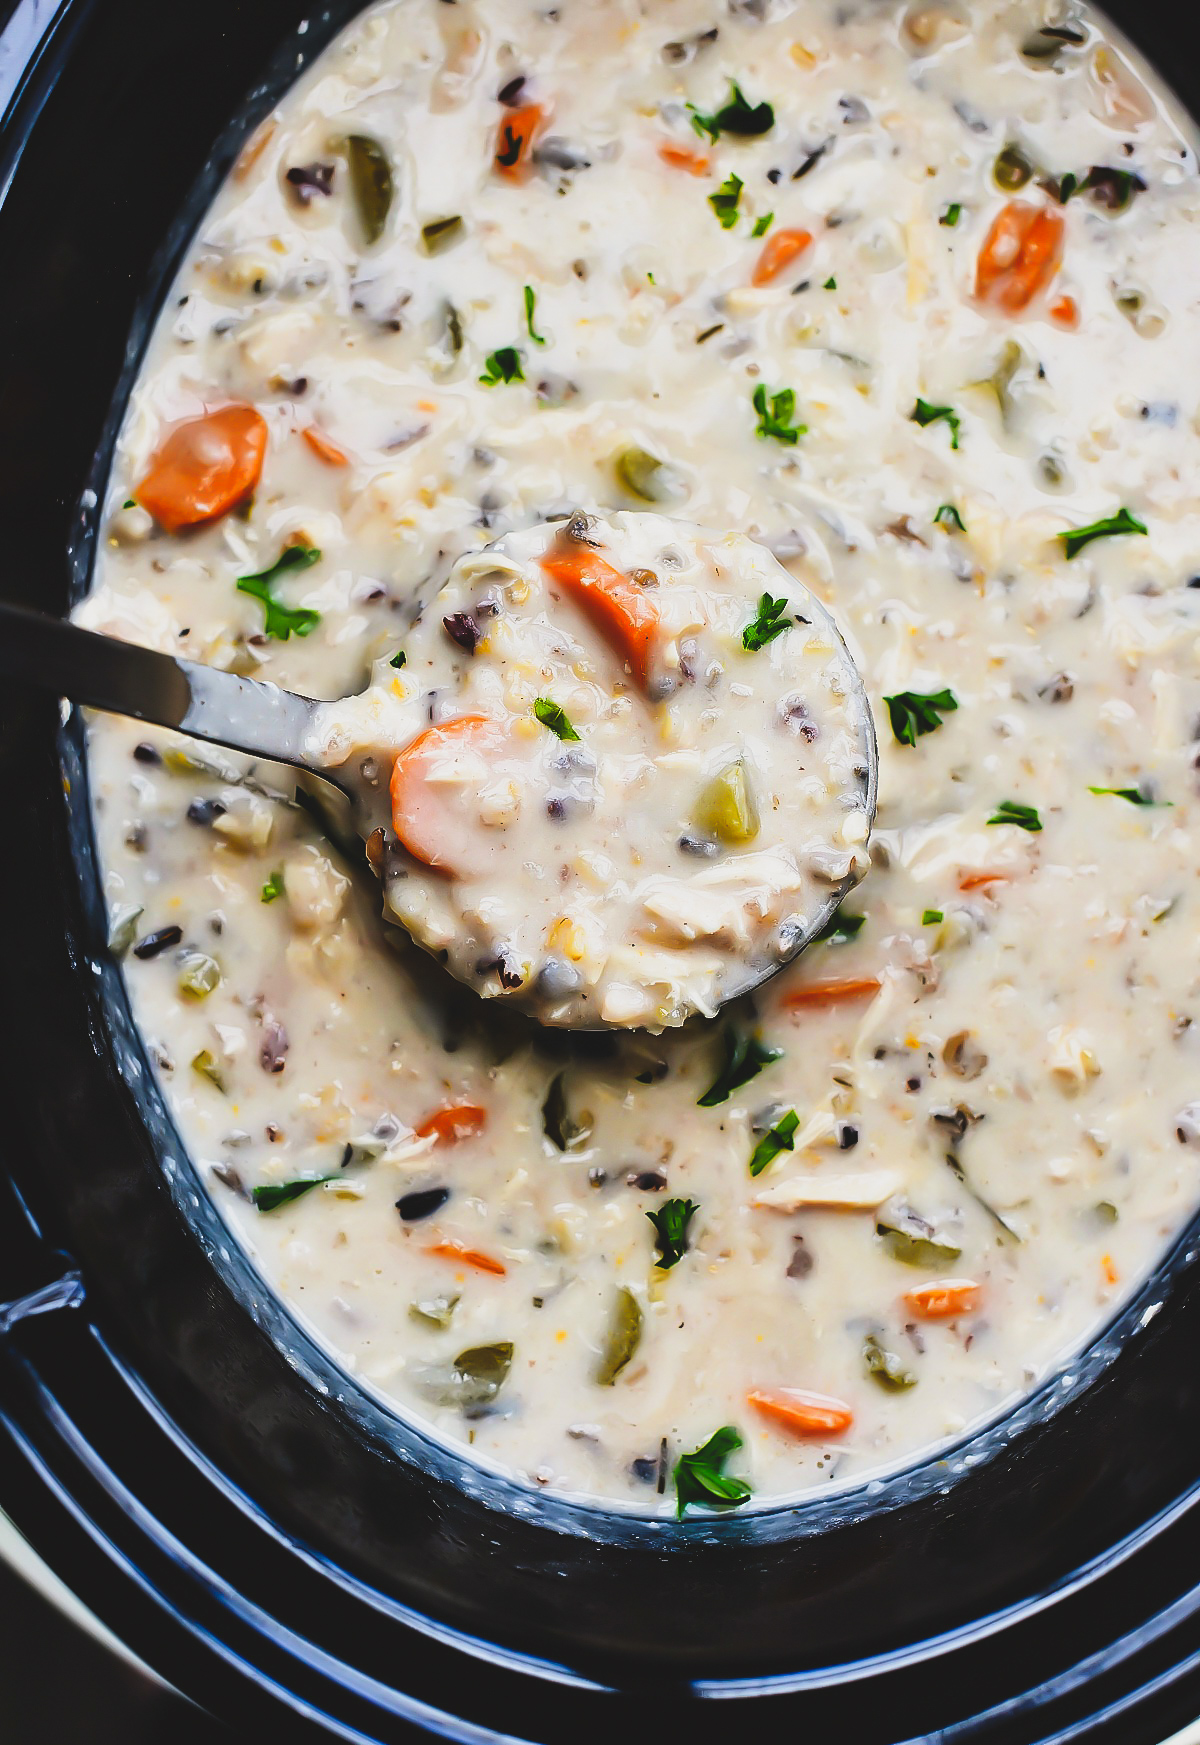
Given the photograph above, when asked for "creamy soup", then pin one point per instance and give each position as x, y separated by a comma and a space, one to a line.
906, 295
660, 844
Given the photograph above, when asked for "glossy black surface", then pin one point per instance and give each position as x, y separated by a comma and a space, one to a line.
260, 1542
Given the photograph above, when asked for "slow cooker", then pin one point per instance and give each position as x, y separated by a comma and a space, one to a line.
255, 1527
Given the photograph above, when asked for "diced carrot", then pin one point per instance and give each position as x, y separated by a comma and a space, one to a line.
468, 1257
324, 447
1065, 311
779, 251
1019, 255
1108, 1268
206, 466
814, 995
624, 615
514, 138
419, 811
801, 1413
461, 1121
943, 1299
972, 881
682, 157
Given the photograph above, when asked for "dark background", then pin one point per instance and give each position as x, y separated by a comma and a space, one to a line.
60, 1685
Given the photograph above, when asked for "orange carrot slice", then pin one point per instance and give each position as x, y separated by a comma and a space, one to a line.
943, 1299
420, 810
1019, 255
205, 467
461, 1121
682, 157
1065, 310
514, 138
324, 447
972, 881
469, 1257
801, 1413
625, 616
779, 251
815, 995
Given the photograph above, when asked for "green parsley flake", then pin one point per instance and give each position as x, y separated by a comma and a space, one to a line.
266, 1199
502, 366
745, 1057
699, 1477
923, 413
768, 623
551, 716
1010, 812
531, 305
948, 516
282, 621
670, 1223
725, 201
931, 917
399, 659
735, 115
775, 414
1075, 538
781, 1137
274, 886
763, 224
840, 929
830, 284
1135, 796
951, 215
913, 713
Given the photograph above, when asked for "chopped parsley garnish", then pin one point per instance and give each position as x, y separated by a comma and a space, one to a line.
1009, 812
781, 1137
399, 659
530, 306
830, 284
768, 623
671, 1222
1112, 189
725, 201
763, 224
931, 917
1075, 538
266, 1199
948, 516
951, 215
745, 1057
840, 929
551, 716
913, 713
1135, 796
129, 503
274, 886
923, 413
282, 621
699, 1477
736, 115
775, 414
502, 366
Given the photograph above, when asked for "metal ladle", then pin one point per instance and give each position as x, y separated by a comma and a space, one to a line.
265, 721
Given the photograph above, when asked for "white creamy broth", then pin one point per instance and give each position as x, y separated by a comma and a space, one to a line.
939, 1149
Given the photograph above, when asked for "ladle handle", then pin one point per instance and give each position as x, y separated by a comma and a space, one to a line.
123, 679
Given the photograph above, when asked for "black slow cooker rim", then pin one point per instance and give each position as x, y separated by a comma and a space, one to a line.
30, 1380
